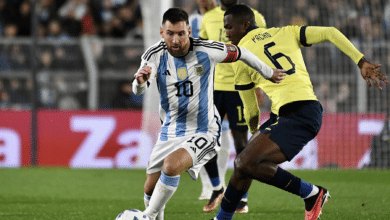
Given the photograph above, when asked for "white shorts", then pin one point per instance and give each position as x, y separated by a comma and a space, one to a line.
202, 147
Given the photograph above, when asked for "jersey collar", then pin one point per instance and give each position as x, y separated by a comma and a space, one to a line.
251, 29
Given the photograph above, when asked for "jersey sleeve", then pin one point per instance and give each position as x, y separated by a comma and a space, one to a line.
221, 52
251, 109
242, 76
246, 88
147, 59
313, 35
203, 31
260, 20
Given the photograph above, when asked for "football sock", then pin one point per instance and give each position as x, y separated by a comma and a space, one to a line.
212, 170
229, 202
286, 181
308, 190
245, 197
165, 187
204, 177
146, 200
224, 154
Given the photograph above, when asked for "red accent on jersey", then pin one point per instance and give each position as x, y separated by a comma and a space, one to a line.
232, 54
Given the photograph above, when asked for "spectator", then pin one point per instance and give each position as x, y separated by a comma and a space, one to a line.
47, 95
15, 92
24, 19
125, 98
4, 99
55, 31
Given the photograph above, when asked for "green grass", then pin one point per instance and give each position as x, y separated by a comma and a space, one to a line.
56, 194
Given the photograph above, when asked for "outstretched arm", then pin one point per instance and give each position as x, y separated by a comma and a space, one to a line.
368, 70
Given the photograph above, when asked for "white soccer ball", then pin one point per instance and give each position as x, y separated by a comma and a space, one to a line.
132, 214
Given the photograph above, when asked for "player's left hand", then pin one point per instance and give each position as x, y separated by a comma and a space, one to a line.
370, 71
278, 75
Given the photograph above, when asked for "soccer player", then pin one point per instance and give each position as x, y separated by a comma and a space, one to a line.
195, 20
228, 102
183, 69
296, 113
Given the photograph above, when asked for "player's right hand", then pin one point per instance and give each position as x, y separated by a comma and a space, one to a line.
144, 74
278, 75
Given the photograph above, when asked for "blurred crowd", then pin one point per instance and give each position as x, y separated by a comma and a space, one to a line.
61, 19
365, 22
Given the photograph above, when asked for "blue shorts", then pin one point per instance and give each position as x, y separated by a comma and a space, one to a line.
229, 102
297, 124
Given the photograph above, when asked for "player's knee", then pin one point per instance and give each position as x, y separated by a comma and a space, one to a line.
172, 167
242, 167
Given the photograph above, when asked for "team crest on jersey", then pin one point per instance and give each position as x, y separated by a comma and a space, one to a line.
182, 73
199, 69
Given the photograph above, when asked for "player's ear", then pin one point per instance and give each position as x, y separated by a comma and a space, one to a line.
247, 25
189, 30
161, 32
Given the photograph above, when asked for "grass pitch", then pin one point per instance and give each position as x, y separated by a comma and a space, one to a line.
66, 194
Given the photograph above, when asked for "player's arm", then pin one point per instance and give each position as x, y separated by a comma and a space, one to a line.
203, 31
247, 90
142, 77
312, 35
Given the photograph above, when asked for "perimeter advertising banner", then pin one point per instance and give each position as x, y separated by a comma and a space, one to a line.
113, 139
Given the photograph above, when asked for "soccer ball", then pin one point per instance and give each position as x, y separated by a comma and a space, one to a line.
132, 214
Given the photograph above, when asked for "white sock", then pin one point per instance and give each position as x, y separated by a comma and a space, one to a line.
160, 215
313, 192
224, 155
165, 187
146, 200
204, 177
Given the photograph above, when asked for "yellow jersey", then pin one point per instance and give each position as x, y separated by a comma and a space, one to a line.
280, 48
212, 28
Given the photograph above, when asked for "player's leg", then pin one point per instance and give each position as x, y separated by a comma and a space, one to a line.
207, 188
212, 170
150, 183
239, 130
224, 153
260, 159
211, 167
175, 164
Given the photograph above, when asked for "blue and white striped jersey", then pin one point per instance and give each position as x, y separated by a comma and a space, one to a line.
195, 20
186, 86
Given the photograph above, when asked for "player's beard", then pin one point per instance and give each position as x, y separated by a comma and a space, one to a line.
176, 53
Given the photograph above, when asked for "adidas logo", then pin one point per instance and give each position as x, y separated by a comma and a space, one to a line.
194, 149
167, 73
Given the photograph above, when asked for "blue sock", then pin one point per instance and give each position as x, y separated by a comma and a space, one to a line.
229, 203
306, 189
245, 196
212, 170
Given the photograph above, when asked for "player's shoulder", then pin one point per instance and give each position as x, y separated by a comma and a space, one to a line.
202, 44
257, 13
292, 28
156, 48
213, 13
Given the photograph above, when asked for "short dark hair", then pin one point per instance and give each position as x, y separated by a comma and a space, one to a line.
175, 15
241, 12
